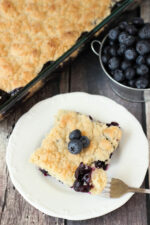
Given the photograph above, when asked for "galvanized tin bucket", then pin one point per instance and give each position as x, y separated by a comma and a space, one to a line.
125, 92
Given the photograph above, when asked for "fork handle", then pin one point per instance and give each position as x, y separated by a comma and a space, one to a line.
139, 190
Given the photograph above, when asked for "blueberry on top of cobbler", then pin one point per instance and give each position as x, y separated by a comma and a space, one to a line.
75, 146
75, 134
77, 142
85, 141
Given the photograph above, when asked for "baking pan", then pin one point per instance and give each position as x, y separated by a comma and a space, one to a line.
20, 95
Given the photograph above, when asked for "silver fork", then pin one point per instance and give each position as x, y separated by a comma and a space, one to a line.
115, 188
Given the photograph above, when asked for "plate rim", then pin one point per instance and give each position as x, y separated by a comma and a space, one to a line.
53, 213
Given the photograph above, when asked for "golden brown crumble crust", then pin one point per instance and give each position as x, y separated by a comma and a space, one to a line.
33, 32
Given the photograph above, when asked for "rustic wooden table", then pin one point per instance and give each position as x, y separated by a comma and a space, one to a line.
84, 74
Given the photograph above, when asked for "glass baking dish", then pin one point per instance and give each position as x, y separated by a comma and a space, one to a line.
27, 91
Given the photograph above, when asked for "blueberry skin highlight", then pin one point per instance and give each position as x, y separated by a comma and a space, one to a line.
75, 134
141, 83
75, 146
85, 141
143, 47
113, 63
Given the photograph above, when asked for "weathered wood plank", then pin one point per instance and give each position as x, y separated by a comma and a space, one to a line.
64, 85
145, 13
5, 129
86, 75
14, 210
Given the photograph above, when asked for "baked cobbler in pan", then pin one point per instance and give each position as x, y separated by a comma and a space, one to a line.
35, 32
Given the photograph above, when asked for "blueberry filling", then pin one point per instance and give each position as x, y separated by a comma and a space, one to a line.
112, 124
101, 165
47, 64
110, 155
15, 91
4, 96
45, 173
90, 117
82, 35
83, 178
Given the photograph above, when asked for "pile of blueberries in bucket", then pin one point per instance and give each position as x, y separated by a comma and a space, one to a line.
126, 53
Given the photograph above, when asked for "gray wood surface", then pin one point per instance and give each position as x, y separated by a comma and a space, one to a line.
83, 74
145, 12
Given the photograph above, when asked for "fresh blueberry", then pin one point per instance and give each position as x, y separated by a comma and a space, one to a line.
121, 49
141, 83
140, 60
4, 96
119, 75
125, 38
113, 63
113, 34
131, 29
129, 73
105, 58
143, 47
111, 43
122, 37
123, 25
137, 21
148, 60
106, 50
75, 134
142, 69
130, 54
144, 32
131, 83
125, 64
113, 51
85, 141
75, 146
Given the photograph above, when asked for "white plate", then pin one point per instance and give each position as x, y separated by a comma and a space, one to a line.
129, 163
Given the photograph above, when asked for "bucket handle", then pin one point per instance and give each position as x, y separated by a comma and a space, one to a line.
92, 46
